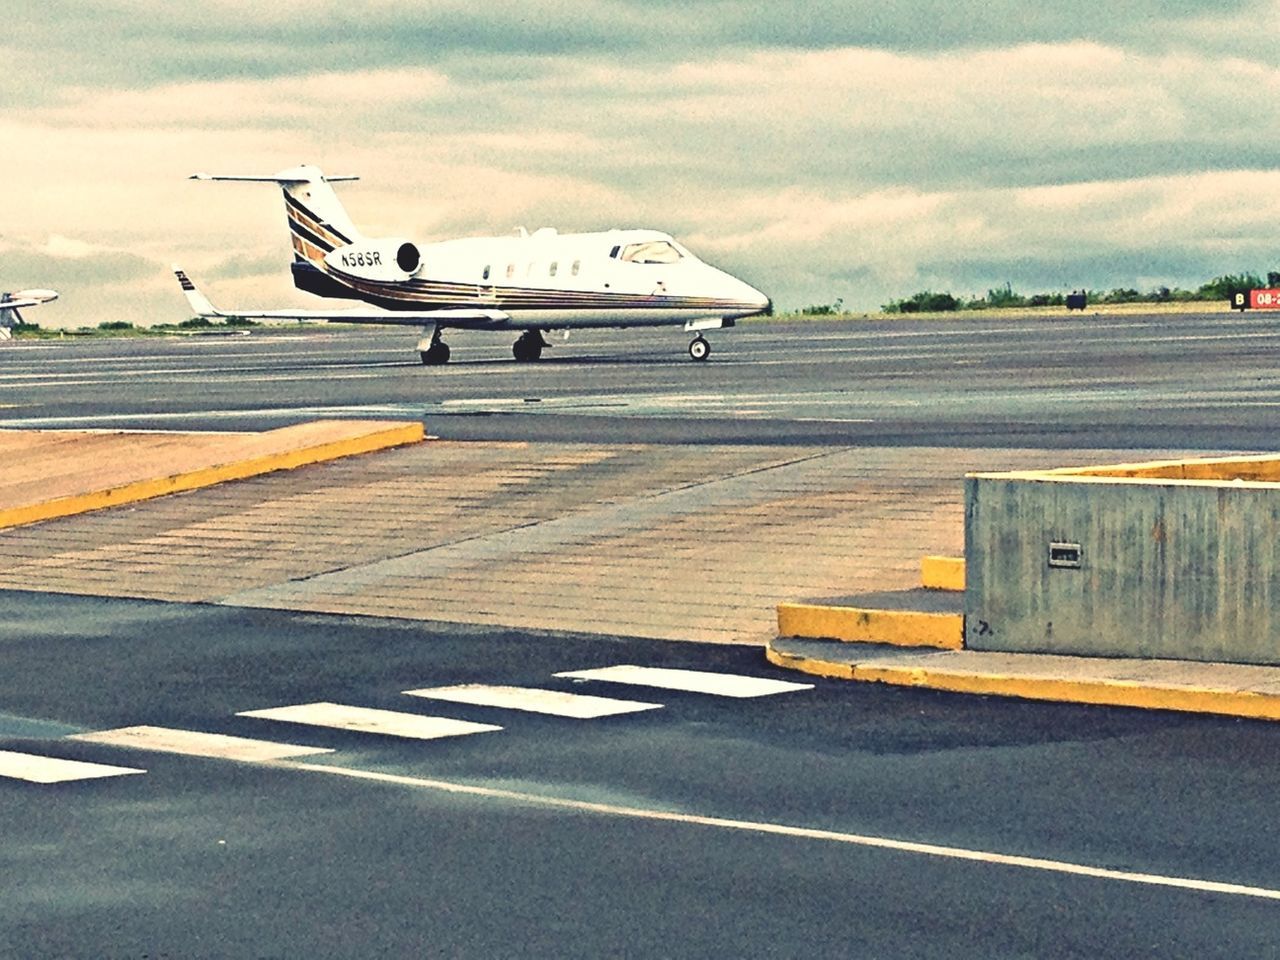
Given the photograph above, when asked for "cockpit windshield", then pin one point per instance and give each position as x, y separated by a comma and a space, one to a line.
651, 251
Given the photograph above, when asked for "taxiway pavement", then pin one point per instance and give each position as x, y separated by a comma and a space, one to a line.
1184, 382
821, 821
571, 509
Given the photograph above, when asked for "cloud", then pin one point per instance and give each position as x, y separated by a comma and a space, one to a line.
94, 283
854, 150
248, 104
151, 42
71, 262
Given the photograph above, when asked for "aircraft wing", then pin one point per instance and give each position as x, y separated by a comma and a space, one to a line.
372, 315
26, 298
460, 317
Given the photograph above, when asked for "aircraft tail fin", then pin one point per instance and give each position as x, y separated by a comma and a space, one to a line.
317, 220
199, 302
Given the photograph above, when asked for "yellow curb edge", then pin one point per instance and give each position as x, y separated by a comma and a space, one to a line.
905, 628
396, 436
942, 573
1109, 693
813, 666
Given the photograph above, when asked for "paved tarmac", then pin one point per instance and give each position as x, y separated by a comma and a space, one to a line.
675, 542
634, 495
1197, 382
56, 473
829, 821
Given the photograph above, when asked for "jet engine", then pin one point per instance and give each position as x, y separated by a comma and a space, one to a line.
392, 259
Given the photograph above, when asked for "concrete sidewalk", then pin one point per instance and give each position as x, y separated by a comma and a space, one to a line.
59, 473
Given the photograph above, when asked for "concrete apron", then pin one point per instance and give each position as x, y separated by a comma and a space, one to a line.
674, 542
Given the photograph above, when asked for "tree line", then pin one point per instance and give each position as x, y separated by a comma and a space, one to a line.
1219, 288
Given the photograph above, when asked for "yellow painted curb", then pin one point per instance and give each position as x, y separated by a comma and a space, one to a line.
810, 665
905, 628
942, 573
1111, 693
395, 436
1107, 693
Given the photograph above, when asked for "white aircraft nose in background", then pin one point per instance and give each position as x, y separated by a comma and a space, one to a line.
11, 302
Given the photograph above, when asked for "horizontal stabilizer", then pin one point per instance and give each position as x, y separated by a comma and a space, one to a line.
303, 174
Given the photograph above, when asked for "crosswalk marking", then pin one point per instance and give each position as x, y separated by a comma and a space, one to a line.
576, 705
389, 723
691, 681
37, 769
48, 770
196, 744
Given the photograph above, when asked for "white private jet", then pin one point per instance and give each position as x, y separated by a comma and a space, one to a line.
10, 303
533, 282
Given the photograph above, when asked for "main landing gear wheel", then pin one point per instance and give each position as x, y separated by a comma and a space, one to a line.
699, 349
436, 354
528, 347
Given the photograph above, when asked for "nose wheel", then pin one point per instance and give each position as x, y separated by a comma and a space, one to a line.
435, 351
436, 355
699, 349
529, 346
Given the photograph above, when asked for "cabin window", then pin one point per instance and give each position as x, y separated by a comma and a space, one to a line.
577, 265
652, 251
486, 272
614, 252
511, 270
552, 269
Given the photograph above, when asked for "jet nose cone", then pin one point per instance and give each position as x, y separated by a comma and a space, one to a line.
760, 302
751, 301
746, 294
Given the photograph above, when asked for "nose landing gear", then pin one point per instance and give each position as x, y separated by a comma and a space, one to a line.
699, 349
435, 351
529, 346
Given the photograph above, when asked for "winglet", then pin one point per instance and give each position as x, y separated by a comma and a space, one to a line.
199, 302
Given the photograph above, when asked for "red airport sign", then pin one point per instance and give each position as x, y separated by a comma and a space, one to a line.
1256, 300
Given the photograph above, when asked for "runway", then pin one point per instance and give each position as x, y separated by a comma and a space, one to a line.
1141, 382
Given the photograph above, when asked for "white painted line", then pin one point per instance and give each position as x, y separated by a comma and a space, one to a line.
806, 833
692, 681
576, 705
37, 769
388, 723
193, 743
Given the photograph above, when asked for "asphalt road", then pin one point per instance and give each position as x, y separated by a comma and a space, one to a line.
842, 820
708, 827
1191, 382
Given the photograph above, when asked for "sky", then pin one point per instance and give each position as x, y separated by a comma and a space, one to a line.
839, 149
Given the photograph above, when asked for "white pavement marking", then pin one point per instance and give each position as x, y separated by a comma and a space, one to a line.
388, 723
576, 705
194, 743
692, 681
806, 833
37, 769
